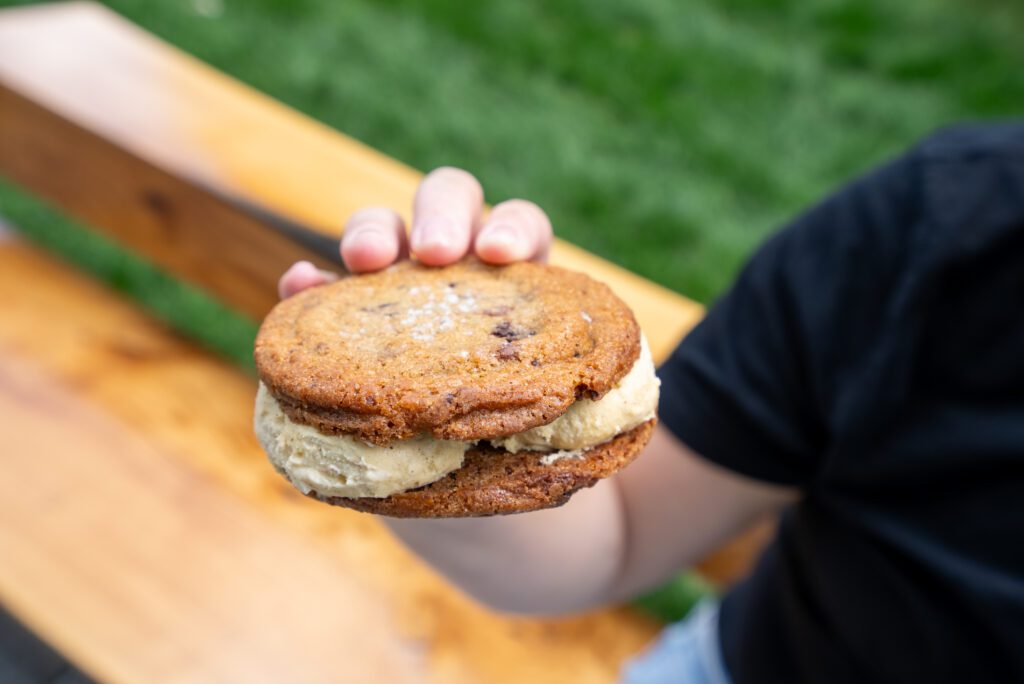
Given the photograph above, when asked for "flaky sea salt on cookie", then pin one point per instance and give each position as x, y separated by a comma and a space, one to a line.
465, 390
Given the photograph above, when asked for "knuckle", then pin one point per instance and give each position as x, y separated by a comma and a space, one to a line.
451, 176
522, 205
378, 214
526, 209
382, 216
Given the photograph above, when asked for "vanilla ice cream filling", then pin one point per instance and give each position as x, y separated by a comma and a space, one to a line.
588, 423
341, 465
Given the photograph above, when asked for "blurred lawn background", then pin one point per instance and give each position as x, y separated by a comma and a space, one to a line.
667, 136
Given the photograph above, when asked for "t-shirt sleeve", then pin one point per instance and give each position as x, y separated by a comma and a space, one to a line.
756, 386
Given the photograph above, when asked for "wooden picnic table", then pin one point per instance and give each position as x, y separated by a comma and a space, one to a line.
142, 532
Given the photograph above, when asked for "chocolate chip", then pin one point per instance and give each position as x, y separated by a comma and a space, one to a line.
584, 391
504, 330
535, 363
507, 352
507, 331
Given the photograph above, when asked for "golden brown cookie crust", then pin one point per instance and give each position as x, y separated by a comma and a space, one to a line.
464, 352
496, 482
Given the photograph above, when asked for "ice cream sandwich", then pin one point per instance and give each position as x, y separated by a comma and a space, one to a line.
460, 391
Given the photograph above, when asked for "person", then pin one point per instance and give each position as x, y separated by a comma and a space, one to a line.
863, 378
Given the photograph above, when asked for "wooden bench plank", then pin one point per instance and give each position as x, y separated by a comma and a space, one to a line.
207, 177
182, 162
144, 534
103, 551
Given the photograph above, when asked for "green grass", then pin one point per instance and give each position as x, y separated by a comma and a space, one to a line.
670, 137
182, 306
674, 600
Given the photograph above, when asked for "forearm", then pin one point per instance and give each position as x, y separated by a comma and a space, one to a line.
626, 534
553, 561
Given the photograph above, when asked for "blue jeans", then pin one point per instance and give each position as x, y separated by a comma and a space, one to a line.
687, 652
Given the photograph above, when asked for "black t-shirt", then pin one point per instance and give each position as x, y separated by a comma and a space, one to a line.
872, 353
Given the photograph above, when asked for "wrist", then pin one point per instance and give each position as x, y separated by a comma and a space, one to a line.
551, 561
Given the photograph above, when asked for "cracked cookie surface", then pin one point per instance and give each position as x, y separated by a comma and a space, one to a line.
464, 352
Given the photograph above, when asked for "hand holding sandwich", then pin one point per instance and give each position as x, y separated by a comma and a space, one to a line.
608, 542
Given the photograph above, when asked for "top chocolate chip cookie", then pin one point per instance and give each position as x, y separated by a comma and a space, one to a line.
464, 352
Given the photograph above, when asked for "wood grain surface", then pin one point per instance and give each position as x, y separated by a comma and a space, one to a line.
143, 533
138, 519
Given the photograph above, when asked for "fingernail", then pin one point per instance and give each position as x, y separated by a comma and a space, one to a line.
434, 232
503, 237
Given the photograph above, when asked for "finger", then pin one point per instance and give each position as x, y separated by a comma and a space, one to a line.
300, 276
516, 230
374, 238
446, 211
